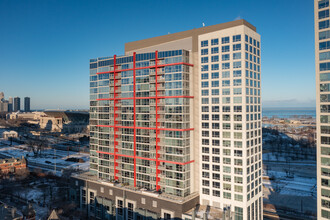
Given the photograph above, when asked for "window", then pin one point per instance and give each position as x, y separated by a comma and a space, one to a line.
205, 101
205, 125
205, 109
215, 101
226, 109
205, 84
167, 216
325, 56
323, 4
215, 58
237, 91
205, 60
325, 77
205, 75
225, 49
205, 92
324, 14
238, 213
324, 66
215, 92
130, 211
225, 40
215, 109
237, 73
237, 56
215, 83
205, 182
324, 35
204, 67
215, 75
206, 191
216, 193
120, 207
214, 41
225, 57
225, 66
323, 24
237, 82
225, 91
204, 43
214, 50
227, 195
236, 47
205, 51
237, 100
237, 64
215, 67
225, 83
226, 100
236, 38
225, 74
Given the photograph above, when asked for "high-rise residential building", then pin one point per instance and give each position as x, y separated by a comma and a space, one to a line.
27, 104
176, 122
322, 69
17, 104
10, 104
4, 106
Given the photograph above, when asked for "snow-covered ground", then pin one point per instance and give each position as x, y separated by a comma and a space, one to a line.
49, 158
289, 184
296, 185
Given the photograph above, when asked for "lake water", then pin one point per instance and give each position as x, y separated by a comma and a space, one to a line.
289, 112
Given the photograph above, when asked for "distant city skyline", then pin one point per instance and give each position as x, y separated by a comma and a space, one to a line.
53, 41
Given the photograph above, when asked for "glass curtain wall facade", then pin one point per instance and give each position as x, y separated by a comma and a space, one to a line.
322, 69
139, 120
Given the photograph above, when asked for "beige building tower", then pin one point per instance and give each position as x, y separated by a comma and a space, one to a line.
176, 122
322, 69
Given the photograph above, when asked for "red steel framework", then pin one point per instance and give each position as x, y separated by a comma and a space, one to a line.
146, 158
134, 103
157, 131
147, 67
115, 171
159, 97
156, 128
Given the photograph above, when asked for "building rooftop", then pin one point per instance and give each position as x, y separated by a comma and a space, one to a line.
12, 160
134, 45
210, 212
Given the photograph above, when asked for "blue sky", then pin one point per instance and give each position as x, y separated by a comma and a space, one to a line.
45, 45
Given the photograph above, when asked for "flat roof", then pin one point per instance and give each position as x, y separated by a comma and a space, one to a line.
134, 45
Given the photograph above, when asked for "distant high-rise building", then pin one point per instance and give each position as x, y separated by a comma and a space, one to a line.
2, 96
10, 104
4, 106
17, 104
178, 114
27, 104
322, 70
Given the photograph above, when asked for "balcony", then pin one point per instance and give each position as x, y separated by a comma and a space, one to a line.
160, 71
162, 167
